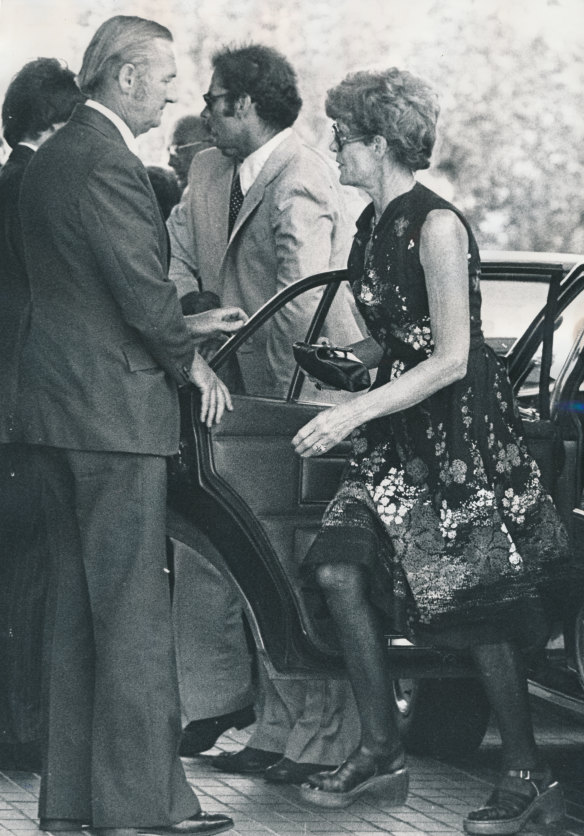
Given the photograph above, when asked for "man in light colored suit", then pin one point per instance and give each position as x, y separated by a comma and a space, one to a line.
291, 222
261, 210
107, 349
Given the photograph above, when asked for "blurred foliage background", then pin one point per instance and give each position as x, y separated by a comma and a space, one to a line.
510, 77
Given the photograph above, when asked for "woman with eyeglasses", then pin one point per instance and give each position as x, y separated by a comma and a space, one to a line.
441, 526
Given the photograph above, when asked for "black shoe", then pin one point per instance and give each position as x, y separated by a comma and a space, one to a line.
201, 823
286, 771
520, 796
248, 761
361, 772
201, 735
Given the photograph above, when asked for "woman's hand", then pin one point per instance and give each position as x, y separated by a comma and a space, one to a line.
216, 322
215, 397
326, 430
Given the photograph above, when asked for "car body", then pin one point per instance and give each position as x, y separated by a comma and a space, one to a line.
240, 495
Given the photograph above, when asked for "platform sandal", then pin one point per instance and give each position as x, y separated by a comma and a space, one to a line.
362, 772
521, 796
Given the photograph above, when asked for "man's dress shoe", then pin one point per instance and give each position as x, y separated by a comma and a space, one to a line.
286, 771
201, 735
247, 761
201, 823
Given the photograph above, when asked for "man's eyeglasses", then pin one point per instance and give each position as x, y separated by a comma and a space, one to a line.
211, 98
174, 149
340, 139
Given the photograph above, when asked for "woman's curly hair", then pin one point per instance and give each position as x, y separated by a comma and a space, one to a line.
392, 103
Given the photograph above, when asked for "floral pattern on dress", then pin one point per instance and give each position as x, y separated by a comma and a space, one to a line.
467, 527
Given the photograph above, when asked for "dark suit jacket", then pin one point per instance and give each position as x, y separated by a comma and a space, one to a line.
107, 343
14, 290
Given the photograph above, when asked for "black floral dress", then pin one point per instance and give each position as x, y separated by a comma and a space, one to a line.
442, 501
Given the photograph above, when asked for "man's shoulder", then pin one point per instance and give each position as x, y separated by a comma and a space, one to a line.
300, 168
85, 134
13, 170
295, 156
73, 155
209, 163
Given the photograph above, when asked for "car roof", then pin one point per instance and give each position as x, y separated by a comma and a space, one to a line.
567, 260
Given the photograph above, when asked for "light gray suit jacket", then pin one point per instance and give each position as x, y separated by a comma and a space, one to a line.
291, 225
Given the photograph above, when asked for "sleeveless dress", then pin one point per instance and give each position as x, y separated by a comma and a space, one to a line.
442, 501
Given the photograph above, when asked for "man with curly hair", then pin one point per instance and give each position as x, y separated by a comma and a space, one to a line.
261, 210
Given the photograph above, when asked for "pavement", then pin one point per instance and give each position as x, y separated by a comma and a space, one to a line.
440, 794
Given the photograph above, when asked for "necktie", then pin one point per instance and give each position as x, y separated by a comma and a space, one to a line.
235, 203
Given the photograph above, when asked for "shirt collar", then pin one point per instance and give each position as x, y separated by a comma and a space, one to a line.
122, 127
252, 165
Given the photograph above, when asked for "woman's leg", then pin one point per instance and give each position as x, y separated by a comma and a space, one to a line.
365, 653
505, 682
526, 790
378, 762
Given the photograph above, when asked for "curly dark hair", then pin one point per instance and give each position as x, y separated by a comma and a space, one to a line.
394, 104
266, 76
43, 93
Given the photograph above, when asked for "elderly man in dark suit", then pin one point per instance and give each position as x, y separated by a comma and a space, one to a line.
108, 347
39, 98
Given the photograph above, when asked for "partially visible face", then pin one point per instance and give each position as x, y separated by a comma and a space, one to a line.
182, 149
358, 166
224, 127
155, 87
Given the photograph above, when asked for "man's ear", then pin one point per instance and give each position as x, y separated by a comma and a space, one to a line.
127, 77
243, 105
379, 143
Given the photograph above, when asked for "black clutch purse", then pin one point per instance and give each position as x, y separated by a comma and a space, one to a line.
333, 366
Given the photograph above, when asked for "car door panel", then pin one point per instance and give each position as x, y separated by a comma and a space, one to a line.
252, 454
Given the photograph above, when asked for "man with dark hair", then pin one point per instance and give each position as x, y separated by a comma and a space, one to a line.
38, 100
289, 221
107, 348
266, 77
262, 210
189, 136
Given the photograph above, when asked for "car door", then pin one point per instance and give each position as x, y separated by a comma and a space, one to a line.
544, 365
260, 503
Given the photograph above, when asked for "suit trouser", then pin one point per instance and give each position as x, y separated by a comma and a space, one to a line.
23, 583
110, 688
309, 720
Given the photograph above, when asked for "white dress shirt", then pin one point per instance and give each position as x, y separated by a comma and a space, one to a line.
122, 127
252, 165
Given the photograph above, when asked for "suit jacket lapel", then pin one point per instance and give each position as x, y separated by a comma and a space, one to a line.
278, 160
217, 198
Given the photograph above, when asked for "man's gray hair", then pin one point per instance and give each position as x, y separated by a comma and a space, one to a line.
123, 39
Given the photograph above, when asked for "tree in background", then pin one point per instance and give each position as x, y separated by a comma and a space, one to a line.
510, 78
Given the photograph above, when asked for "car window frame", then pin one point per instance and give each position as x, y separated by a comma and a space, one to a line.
518, 359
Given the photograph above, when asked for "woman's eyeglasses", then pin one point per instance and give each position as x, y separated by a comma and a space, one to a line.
340, 139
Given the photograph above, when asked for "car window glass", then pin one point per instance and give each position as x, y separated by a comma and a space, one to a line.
569, 326
508, 307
